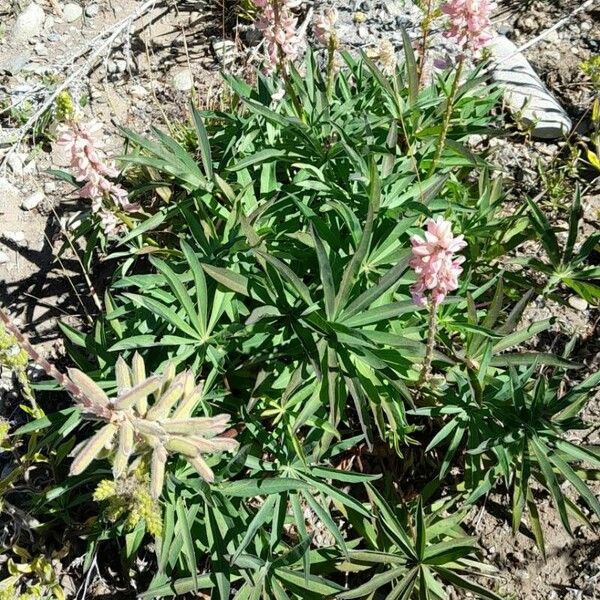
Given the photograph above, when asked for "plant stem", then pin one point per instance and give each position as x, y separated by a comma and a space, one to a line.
432, 329
447, 115
53, 372
330, 65
425, 25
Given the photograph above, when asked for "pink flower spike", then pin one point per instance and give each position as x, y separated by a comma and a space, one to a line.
434, 263
83, 142
279, 29
470, 23
324, 25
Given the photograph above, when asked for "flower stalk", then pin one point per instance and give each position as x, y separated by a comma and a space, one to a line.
431, 332
447, 115
424, 45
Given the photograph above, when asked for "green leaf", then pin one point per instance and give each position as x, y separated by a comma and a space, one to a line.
260, 157
158, 308
262, 516
541, 452
353, 266
374, 583
410, 66
518, 337
247, 488
544, 230
185, 530
326, 274
203, 142
200, 285
467, 585
180, 292
230, 279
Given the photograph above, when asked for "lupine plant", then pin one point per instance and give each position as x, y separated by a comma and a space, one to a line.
309, 307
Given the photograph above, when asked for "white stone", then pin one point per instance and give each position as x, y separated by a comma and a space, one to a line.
29, 23
72, 12
18, 237
33, 201
183, 80
3, 258
41, 49
138, 91
525, 93
578, 303
15, 162
91, 10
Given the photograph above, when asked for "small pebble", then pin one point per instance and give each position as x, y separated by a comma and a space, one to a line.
578, 303
32, 201
18, 237
138, 91
40, 49
15, 162
183, 80
91, 10
72, 12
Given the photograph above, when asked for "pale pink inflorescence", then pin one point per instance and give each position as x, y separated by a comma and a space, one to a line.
470, 23
278, 26
324, 25
435, 263
84, 144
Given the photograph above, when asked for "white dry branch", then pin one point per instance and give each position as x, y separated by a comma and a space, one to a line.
92, 52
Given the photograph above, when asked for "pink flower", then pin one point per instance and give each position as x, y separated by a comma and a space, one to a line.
324, 25
434, 263
84, 144
470, 23
279, 29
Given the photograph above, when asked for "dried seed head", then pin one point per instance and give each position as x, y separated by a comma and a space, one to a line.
93, 448
152, 431
123, 376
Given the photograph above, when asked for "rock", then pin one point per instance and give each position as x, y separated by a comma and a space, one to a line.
578, 303
118, 65
18, 237
32, 201
29, 23
72, 12
14, 64
525, 92
15, 162
91, 10
138, 91
4, 258
183, 80
40, 49
49, 187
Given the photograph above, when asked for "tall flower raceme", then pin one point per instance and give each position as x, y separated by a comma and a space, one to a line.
84, 144
470, 23
437, 268
470, 26
324, 26
434, 262
324, 30
278, 26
